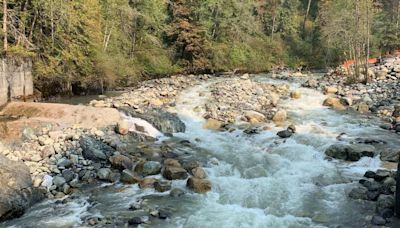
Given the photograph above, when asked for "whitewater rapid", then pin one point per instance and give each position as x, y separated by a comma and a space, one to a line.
257, 180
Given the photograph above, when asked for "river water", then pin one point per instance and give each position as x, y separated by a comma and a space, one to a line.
258, 180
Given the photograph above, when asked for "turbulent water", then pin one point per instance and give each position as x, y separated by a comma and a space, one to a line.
258, 180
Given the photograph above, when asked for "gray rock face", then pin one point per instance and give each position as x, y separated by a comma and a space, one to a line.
95, 150
352, 152
16, 190
390, 155
164, 121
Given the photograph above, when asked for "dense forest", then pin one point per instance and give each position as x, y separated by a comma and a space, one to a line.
100, 43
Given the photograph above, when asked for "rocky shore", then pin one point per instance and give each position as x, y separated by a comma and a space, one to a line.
381, 97
59, 159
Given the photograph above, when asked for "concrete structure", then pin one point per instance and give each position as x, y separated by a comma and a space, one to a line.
15, 79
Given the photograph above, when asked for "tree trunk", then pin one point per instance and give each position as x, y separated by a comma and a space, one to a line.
5, 25
367, 76
397, 201
306, 16
273, 26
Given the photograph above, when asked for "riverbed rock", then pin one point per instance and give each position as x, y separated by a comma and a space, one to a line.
384, 202
254, 117
103, 173
353, 152
162, 186
359, 193
338, 151
122, 127
162, 120
280, 116
285, 134
363, 108
148, 168
147, 183
334, 103
330, 90
390, 155
199, 173
16, 189
198, 185
176, 192
121, 162
175, 173
378, 220
128, 177
295, 94
94, 149
213, 124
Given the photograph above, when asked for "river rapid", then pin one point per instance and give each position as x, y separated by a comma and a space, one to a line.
257, 180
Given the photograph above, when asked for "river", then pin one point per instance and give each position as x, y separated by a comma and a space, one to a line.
258, 180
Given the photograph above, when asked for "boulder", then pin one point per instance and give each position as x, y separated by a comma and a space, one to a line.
280, 116
147, 183
359, 193
175, 173
378, 220
384, 202
16, 189
285, 134
199, 173
334, 103
254, 117
94, 149
361, 150
148, 168
213, 124
128, 177
362, 108
103, 173
390, 155
122, 127
330, 90
338, 151
198, 185
352, 152
162, 120
295, 94
162, 186
121, 162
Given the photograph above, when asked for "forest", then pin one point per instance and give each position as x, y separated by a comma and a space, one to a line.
89, 44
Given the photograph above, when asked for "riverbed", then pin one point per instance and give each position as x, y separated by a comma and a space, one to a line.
258, 180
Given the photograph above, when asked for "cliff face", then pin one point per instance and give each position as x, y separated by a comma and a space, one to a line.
15, 79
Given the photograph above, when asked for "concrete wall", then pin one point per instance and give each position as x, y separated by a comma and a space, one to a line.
15, 79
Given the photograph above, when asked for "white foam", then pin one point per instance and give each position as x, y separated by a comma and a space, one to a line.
149, 129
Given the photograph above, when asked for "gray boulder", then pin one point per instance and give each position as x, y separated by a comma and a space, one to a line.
165, 122
390, 155
353, 152
16, 189
94, 149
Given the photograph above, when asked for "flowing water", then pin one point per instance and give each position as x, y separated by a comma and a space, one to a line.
258, 180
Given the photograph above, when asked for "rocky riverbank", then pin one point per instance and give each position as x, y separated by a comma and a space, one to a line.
65, 152
381, 97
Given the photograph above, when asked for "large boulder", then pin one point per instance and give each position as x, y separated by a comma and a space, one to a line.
353, 152
164, 121
198, 185
94, 149
175, 173
334, 103
16, 189
390, 155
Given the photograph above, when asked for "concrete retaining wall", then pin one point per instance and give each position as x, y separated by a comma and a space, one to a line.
15, 79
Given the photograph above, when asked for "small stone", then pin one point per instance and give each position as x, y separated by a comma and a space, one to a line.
58, 181
122, 127
68, 175
121, 162
199, 173
64, 162
135, 221
103, 173
164, 213
285, 134
295, 94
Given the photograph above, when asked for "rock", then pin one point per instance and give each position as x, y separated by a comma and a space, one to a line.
198, 185
172, 162
338, 151
47, 181
334, 103
121, 162
381, 174
330, 90
162, 120
176, 192
16, 189
254, 117
363, 108
213, 124
359, 193
199, 173
156, 102
135, 221
175, 173
369, 174
311, 83
164, 213
147, 183
64, 162
280, 116
59, 181
346, 101
162, 186
245, 77
387, 213
122, 127
378, 220
384, 202
390, 155
148, 168
128, 177
95, 150
103, 173
68, 175
295, 94
285, 134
